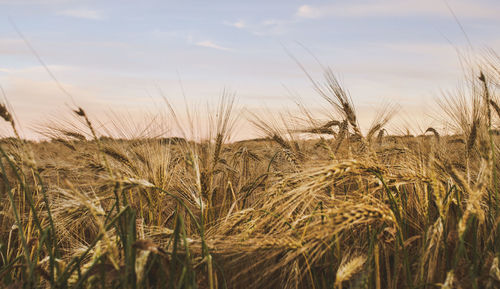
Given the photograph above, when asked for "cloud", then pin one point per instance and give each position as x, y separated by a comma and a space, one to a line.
210, 44
82, 13
240, 24
384, 8
12, 46
273, 27
307, 11
264, 27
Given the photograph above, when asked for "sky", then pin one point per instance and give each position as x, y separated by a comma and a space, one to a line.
122, 56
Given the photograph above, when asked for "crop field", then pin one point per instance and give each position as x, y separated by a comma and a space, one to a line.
311, 204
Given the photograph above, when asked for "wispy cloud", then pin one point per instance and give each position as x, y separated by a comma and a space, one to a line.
11, 46
240, 24
464, 9
210, 44
269, 26
308, 11
82, 13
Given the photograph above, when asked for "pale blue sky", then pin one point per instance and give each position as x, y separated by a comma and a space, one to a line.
117, 53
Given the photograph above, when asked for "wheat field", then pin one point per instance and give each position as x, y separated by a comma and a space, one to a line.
317, 204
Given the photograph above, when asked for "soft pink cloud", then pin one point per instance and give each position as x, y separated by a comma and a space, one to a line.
210, 44
463, 9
